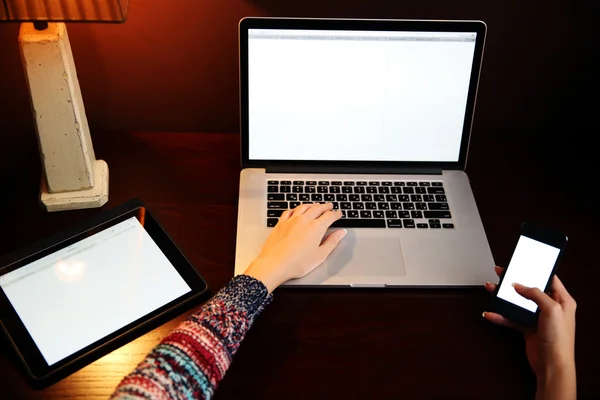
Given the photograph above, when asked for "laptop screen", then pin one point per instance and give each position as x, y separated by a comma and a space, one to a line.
357, 95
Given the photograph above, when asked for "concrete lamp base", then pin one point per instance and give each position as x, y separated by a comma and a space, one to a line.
94, 197
72, 177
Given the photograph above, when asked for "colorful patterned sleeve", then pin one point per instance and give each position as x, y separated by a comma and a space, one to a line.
191, 360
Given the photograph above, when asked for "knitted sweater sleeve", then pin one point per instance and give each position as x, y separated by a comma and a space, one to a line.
191, 361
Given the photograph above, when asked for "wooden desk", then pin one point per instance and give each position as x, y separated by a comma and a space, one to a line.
326, 343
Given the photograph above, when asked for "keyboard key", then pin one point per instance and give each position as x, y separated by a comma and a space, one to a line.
396, 206
322, 189
272, 189
436, 183
373, 183
272, 182
346, 189
434, 221
394, 223
285, 189
358, 206
316, 197
346, 206
391, 214
435, 226
416, 214
370, 206
428, 197
391, 197
437, 214
386, 183
336, 183
294, 204
329, 197
438, 206
366, 214
408, 206
371, 189
354, 197
278, 204
379, 197
420, 190
396, 189
422, 226
408, 223
341, 197
298, 183
383, 189
440, 197
344, 214
361, 183
275, 196
290, 196
297, 189
304, 197
403, 198
359, 223
271, 222
352, 214
274, 213
378, 214
448, 226
424, 184
399, 184
310, 189
311, 183
421, 206
411, 184
359, 189
403, 214
435, 190
334, 189
324, 183
348, 183
336, 205
408, 190
366, 197
383, 206
416, 197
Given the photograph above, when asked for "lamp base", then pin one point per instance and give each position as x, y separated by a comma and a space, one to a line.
94, 197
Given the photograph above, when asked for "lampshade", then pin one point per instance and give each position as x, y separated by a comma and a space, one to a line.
64, 10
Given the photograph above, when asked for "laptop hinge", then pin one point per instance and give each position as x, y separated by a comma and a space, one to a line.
351, 170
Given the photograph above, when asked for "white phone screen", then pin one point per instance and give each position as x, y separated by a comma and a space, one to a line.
530, 265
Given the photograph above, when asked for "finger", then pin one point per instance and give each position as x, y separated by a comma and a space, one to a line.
316, 210
500, 320
331, 241
490, 287
544, 302
301, 209
559, 293
498, 270
329, 218
286, 215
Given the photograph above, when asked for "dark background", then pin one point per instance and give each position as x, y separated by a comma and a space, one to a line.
173, 68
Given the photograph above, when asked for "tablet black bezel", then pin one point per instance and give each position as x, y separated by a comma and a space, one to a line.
36, 366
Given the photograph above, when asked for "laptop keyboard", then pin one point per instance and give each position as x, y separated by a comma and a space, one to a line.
366, 204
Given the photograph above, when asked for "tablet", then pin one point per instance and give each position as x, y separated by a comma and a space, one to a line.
74, 297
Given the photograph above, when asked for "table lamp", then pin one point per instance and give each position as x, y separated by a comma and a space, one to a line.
72, 176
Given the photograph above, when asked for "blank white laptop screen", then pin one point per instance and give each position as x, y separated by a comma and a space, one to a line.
69, 299
357, 95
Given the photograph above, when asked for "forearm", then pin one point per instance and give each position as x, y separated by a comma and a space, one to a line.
193, 358
557, 383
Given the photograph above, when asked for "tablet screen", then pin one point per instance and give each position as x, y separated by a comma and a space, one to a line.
78, 295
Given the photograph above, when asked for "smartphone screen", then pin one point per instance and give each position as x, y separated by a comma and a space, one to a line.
531, 265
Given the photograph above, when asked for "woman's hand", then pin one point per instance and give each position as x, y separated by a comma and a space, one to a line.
296, 245
550, 347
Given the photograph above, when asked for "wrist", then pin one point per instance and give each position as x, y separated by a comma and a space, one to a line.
263, 271
557, 380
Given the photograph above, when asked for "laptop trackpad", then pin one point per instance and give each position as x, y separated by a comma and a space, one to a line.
367, 257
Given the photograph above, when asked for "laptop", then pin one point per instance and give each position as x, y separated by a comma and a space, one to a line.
375, 117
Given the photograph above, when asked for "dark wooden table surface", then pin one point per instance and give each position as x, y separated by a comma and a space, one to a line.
343, 343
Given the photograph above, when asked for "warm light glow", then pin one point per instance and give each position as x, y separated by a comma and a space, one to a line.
64, 10
69, 272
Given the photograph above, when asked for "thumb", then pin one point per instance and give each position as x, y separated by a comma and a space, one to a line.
544, 302
331, 241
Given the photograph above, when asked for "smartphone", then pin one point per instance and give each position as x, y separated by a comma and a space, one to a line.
532, 264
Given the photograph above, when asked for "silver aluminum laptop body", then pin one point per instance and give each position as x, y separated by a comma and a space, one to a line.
380, 104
